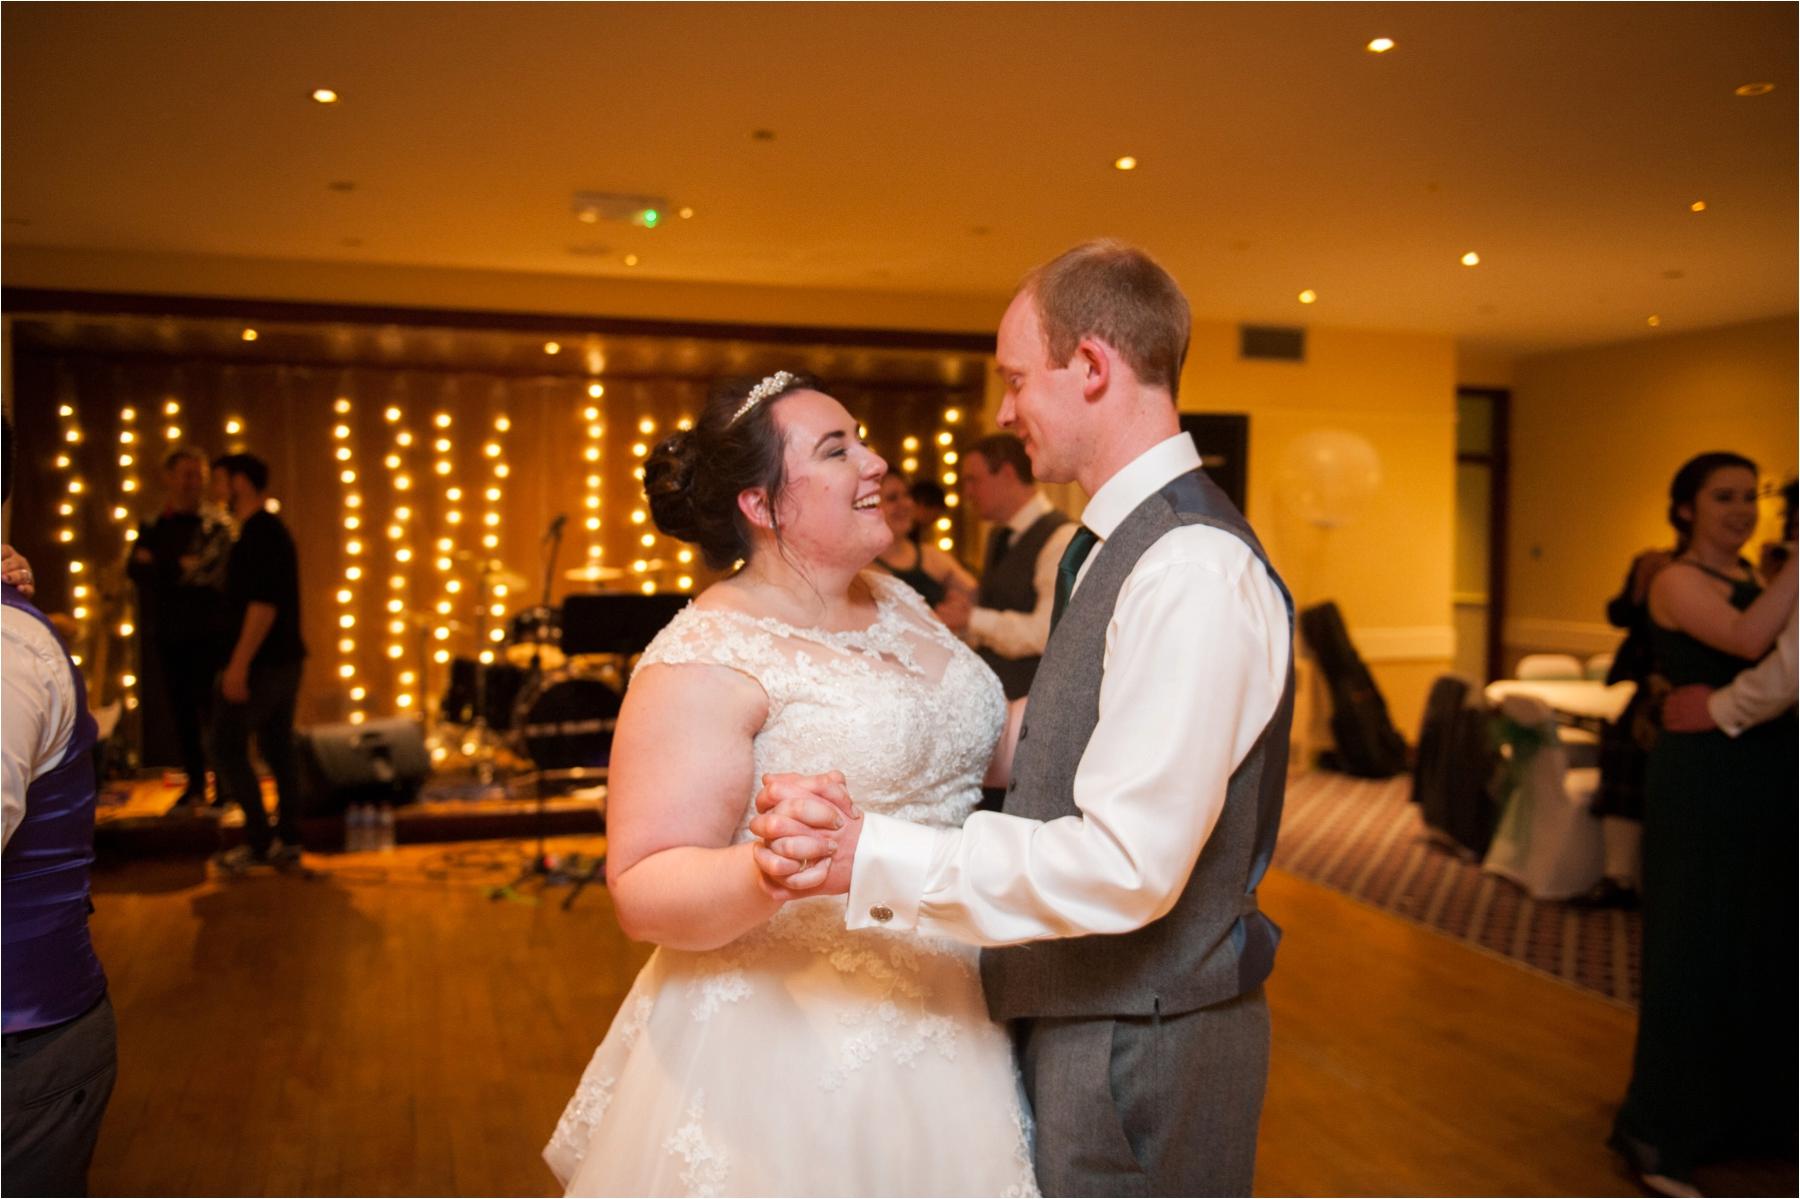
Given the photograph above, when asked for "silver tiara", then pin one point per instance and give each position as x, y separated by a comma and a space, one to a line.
772, 385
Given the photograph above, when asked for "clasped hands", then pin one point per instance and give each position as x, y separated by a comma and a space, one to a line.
809, 828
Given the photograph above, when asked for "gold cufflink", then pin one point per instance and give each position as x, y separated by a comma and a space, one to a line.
881, 913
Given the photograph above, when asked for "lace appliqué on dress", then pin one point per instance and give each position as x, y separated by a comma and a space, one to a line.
706, 1166
713, 991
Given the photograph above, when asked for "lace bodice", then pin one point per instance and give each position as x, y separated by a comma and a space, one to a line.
906, 711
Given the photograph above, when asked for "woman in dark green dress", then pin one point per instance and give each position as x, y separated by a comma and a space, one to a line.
1714, 1071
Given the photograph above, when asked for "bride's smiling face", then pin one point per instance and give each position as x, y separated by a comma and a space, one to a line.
829, 512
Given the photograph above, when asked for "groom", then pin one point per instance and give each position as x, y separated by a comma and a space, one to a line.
1116, 890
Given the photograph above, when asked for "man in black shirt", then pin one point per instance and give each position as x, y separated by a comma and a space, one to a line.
183, 617
261, 679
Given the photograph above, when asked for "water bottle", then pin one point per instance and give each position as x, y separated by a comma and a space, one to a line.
356, 829
385, 828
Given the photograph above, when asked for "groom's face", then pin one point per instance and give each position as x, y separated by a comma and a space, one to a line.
1043, 402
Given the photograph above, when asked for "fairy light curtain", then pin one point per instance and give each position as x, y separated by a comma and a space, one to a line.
418, 499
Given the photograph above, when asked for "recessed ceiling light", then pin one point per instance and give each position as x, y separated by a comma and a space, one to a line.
1471, 259
325, 95
686, 214
1125, 163
552, 347
1753, 89
1654, 321
588, 216
342, 185
1380, 45
631, 260
1309, 296
248, 335
762, 135
1697, 206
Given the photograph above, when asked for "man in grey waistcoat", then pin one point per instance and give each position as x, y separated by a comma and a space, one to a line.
1115, 894
1010, 619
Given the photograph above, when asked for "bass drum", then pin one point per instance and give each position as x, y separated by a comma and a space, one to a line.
565, 722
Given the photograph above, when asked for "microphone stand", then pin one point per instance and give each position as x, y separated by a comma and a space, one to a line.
540, 868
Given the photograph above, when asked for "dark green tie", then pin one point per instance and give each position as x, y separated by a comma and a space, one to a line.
1080, 546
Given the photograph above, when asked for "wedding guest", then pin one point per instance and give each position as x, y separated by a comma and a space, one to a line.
1619, 801
183, 619
1713, 1072
1761, 693
1009, 620
261, 680
60, 1044
930, 505
920, 564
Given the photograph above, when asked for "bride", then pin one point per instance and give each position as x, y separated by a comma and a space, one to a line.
764, 1049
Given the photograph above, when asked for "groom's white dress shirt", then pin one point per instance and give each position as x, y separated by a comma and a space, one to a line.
1761, 692
1196, 660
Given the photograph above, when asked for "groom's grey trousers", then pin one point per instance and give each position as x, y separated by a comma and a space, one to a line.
1148, 1105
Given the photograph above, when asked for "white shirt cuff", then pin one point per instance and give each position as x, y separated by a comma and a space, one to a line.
1723, 712
887, 879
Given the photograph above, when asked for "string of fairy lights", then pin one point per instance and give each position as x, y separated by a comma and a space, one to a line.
69, 437
946, 444
443, 446
492, 495
647, 547
421, 543
400, 578
594, 430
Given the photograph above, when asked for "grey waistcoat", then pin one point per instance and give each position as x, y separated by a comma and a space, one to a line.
1215, 943
1010, 585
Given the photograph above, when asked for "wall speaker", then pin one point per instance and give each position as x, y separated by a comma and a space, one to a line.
378, 761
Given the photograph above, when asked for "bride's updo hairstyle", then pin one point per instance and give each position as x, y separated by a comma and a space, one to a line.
693, 478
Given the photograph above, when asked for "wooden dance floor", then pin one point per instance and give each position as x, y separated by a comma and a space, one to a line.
387, 1028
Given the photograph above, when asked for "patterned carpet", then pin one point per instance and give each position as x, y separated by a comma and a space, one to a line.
1365, 839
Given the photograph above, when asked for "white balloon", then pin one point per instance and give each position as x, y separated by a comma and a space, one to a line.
1326, 476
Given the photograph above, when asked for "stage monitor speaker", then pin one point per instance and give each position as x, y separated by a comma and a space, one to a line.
378, 761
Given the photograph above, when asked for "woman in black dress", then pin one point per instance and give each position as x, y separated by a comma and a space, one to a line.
1713, 1074
918, 562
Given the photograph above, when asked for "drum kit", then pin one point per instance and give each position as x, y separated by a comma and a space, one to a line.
547, 701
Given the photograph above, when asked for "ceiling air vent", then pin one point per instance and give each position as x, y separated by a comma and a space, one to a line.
1271, 343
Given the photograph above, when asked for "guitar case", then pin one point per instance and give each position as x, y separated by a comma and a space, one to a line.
1368, 744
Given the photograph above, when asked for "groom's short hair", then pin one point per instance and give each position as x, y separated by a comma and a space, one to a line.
1118, 293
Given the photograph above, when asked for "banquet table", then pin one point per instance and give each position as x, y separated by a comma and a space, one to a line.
1577, 699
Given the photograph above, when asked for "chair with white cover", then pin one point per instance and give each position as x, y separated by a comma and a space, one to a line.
1548, 840
1543, 667
1599, 666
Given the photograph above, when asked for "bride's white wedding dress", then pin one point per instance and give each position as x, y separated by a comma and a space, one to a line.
804, 1059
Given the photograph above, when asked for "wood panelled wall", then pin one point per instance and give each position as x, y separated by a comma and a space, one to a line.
287, 414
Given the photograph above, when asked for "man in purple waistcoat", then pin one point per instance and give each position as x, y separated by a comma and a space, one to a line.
60, 1043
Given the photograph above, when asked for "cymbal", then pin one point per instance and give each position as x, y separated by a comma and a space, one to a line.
595, 574
429, 620
494, 573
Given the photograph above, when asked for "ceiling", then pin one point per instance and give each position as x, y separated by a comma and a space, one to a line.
944, 149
